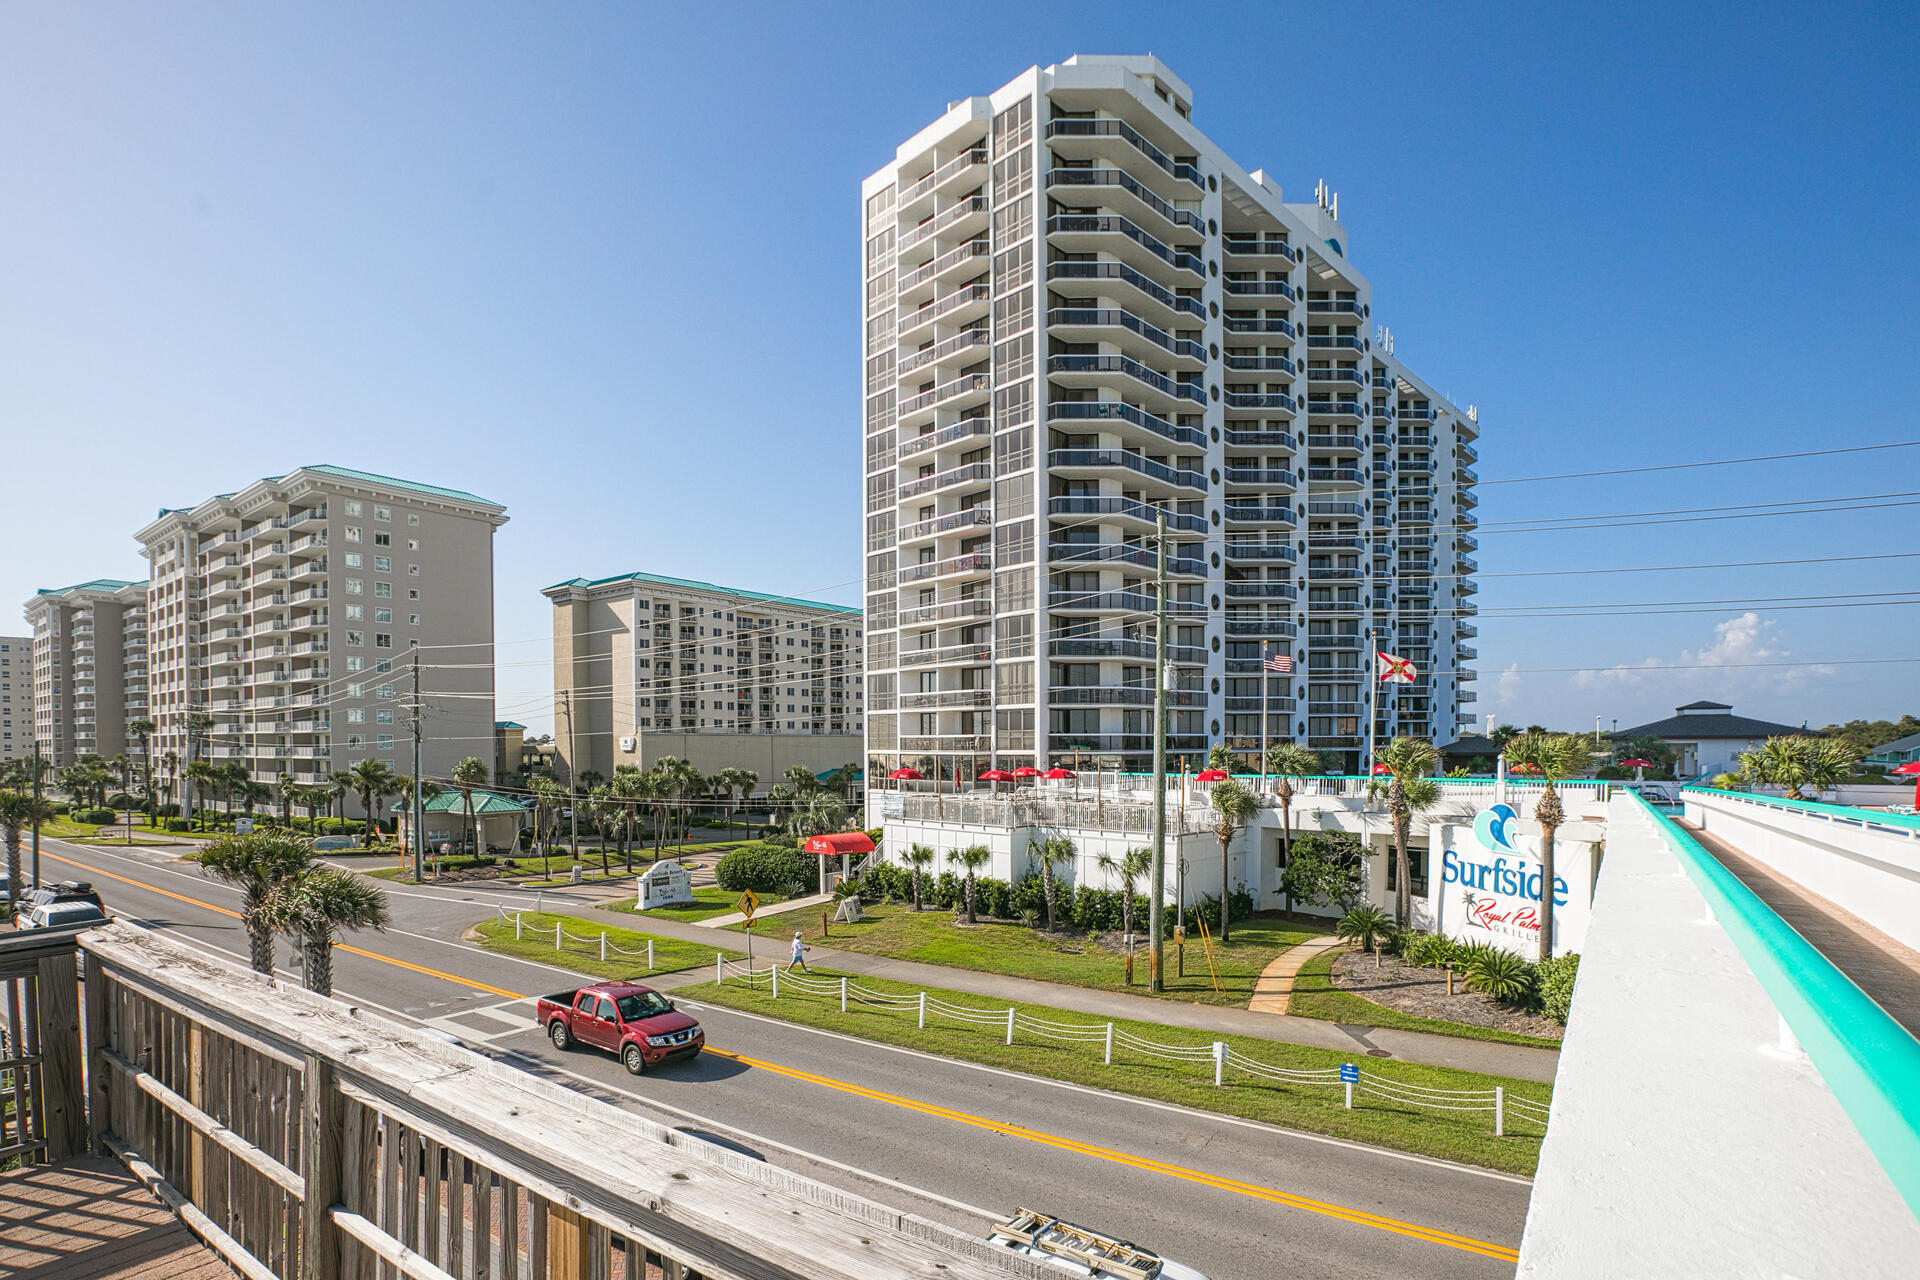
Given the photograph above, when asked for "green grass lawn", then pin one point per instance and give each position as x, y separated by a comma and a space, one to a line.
933, 937
669, 954
1451, 1135
708, 901
90, 833
1315, 996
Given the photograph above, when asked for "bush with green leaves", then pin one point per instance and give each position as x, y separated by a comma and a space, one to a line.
1555, 983
764, 868
1501, 974
179, 824
99, 816
1428, 950
122, 801
1363, 926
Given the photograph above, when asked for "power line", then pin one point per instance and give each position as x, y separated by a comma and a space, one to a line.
1690, 466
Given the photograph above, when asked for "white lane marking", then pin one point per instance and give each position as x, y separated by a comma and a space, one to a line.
1237, 1121
757, 1139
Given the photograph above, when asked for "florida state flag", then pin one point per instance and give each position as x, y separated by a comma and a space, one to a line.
1396, 670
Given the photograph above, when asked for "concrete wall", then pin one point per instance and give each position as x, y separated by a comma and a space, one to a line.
1683, 1140
1872, 871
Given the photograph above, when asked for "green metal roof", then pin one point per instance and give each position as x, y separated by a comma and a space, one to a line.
697, 585
508, 724
369, 477
484, 803
98, 584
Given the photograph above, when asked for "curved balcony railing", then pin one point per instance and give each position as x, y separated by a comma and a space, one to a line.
1259, 324
1113, 224
943, 263
1131, 368
1134, 462
1127, 275
1132, 186
1132, 136
956, 212
1260, 289
1091, 505
1114, 317
1119, 411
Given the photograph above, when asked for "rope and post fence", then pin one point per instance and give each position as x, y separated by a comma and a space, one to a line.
1221, 1058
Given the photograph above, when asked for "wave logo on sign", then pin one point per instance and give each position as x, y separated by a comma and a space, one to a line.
1490, 828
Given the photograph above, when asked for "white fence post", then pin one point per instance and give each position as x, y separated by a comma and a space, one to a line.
1109, 1058
603, 946
843, 993
1009, 1026
649, 955
923, 1010
1499, 1109
516, 926
559, 933
1219, 1061
774, 969
719, 974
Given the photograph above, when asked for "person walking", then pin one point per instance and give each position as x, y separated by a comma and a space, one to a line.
798, 948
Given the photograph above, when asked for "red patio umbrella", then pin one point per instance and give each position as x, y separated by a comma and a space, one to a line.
1059, 773
1380, 769
1026, 771
1912, 767
907, 775
1637, 764
994, 775
1211, 775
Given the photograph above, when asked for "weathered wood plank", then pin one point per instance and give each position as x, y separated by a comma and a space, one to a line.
322, 1122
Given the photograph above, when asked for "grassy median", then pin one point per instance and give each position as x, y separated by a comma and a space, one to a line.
708, 902
626, 948
1449, 1135
1315, 996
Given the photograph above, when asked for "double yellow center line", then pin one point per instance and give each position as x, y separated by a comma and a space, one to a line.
1307, 1204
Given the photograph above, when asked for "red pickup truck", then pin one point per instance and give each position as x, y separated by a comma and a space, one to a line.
636, 1022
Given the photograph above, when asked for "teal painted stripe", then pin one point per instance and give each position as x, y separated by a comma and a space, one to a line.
1869, 1061
1872, 817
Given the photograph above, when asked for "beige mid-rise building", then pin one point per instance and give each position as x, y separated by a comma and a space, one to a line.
646, 666
291, 614
89, 670
16, 697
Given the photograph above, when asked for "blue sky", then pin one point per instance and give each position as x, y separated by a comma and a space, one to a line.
599, 263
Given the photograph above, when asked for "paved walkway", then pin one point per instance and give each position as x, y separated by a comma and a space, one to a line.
90, 1219
734, 917
1520, 1061
1883, 968
1273, 989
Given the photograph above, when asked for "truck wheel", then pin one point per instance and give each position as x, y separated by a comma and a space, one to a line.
558, 1033
633, 1060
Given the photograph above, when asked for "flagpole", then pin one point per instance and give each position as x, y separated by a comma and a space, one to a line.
1263, 716
1373, 698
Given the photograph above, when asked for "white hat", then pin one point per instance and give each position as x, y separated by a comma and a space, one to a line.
796, 933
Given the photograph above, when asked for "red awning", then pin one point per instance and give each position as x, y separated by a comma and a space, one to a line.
833, 846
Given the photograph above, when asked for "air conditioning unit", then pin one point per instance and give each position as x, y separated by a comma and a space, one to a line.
626, 745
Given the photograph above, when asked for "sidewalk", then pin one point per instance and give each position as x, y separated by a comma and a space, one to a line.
735, 917
1273, 991
1518, 1061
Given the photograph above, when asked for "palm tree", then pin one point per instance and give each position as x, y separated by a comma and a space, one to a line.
1289, 760
286, 784
338, 784
973, 857
314, 905
313, 799
731, 780
122, 765
253, 793
171, 763
375, 781
1129, 867
780, 797
548, 799
233, 777
17, 809
630, 789
919, 857
143, 730
256, 863
1052, 852
1218, 757
1234, 805
1552, 756
602, 808
1410, 762
1799, 760
801, 779
200, 776
468, 775
823, 813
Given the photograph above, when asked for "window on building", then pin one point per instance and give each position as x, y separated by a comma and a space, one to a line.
382, 564
353, 508
382, 640
356, 637
382, 539
353, 533
355, 586
353, 560
384, 715
384, 590
412, 518
354, 612
383, 513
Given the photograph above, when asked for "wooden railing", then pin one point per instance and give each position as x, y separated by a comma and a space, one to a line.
42, 1106
305, 1137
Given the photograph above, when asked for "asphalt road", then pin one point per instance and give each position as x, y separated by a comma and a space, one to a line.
949, 1140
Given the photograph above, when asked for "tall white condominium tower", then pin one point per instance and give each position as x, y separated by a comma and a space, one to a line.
16, 697
89, 669
286, 615
1079, 311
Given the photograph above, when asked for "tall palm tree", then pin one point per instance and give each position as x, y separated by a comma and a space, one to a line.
17, 809
1052, 852
171, 763
919, 857
781, 797
601, 807
286, 785
316, 904
122, 766
338, 784
1289, 760
253, 793
313, 799
823, 813
730, 781
1552, 756
233, 777
1218, 757
1798, 760
200, 778
1129, 867
1408, 761
256, 863
630, 789
374, 780
973, 857
469, 775
1234, 805
143, 730
549, 797
801, 779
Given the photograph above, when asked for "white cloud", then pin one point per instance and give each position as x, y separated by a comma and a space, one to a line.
1731, 662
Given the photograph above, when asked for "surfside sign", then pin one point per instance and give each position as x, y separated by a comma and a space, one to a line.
1489, 890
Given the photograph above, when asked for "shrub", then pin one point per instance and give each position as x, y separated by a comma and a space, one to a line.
1030, 895
99, 816
59, 808
179, 824
994, 897
1363, 926
1428, 949
1555, 980
764, 868
781, 840
1030, 918
947, 890
168, 810
1502, 975
121, 800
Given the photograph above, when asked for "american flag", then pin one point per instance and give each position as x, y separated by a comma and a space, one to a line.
1279, 663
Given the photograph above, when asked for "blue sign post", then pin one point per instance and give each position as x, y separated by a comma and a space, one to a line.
1349, 1077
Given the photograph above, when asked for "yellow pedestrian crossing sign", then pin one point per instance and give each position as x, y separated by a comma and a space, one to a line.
748, 904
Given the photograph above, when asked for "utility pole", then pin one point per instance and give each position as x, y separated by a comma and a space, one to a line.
36, 816
573, 771
1163, 670
419, 813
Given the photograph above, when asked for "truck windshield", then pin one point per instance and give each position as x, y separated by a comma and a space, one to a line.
635, 1007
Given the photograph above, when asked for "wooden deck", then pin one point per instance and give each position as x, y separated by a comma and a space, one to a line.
88, 1219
